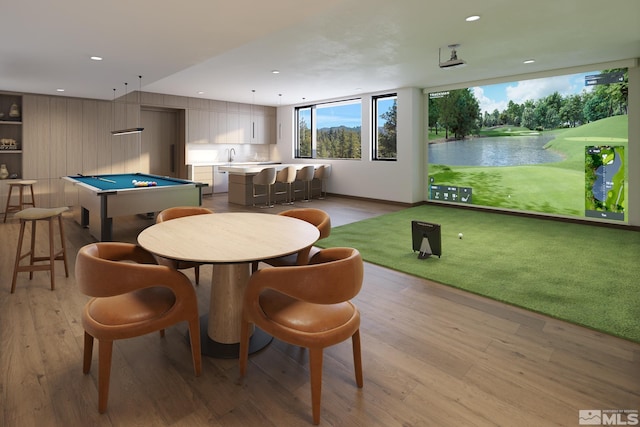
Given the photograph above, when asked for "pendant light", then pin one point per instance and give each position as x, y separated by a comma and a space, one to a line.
130, 130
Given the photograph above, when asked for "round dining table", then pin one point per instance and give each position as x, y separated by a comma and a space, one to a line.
231, 241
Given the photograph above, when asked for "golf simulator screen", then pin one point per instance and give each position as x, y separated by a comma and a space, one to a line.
554, 145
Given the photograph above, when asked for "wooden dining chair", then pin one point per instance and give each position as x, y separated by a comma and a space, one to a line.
307, 306
180, 212
131, 296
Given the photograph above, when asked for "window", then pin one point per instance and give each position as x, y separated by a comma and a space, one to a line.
384, 132
303, 134
329, 131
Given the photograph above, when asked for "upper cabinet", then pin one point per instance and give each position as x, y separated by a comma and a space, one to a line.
198, 126
263, 125
11, 134
231, 123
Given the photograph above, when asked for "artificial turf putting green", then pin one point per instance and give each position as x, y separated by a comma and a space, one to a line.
581, 273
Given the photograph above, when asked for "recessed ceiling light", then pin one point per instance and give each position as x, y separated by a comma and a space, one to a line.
472, 18
200, 92
59, 90
528, 61
96, 58
275, 72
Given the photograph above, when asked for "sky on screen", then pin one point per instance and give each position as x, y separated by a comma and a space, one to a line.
497, 96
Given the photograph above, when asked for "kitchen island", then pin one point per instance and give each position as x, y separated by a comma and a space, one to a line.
241, 182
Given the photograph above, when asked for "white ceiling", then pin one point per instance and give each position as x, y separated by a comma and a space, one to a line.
323, 50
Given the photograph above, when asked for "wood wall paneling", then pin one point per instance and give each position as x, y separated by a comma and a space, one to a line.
74, 136
37, 133
74, 149
133, 141
104, 137
58, 137
89, 137
176, 101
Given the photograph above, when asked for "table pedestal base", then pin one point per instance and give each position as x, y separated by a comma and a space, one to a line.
211, 348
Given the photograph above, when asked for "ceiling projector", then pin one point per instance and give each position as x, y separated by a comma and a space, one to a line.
453, 62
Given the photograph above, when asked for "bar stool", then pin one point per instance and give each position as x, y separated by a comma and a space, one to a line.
319, 176
33, 215
21, 201
286, 176
265, 178
305, 175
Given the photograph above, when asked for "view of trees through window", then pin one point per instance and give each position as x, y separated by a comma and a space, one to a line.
303, 137
337, 127
385, 112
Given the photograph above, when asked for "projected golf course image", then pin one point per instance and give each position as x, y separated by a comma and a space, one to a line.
561, 164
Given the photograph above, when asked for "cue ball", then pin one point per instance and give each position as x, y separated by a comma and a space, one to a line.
459, 235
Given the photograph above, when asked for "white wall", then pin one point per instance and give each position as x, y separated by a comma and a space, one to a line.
399, 181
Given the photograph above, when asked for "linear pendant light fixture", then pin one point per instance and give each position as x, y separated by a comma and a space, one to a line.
130, 130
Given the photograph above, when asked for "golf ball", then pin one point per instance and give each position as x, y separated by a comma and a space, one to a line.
459, 235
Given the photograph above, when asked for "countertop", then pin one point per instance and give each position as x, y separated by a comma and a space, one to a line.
267, 162
254, 168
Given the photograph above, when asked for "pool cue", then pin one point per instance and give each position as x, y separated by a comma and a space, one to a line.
99, 178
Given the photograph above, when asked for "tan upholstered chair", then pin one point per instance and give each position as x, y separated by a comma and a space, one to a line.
317, 217
307, 306
305, 175
265, 178
286, 177
132, 296
320, 176
179, 212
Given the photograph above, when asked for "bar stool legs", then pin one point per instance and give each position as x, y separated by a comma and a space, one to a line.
21, 200
33, 215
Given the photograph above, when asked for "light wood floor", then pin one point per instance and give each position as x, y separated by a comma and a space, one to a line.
432, 356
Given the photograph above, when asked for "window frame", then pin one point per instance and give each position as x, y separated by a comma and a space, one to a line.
314, 131
375, 127
297, 110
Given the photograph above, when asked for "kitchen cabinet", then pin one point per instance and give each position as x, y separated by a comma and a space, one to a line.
198, 126
263, 125
202, 174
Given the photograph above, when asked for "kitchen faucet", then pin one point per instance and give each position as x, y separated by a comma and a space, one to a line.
232, 153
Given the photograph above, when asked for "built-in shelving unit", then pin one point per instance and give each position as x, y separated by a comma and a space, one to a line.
11, 134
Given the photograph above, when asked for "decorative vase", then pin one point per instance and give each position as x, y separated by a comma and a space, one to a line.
4, 173
14, 111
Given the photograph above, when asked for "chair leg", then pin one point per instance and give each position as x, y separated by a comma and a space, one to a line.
33, 247
197, 274
64, 246
88, 353
357, 358
52, 255
194, 339
6, 210
315, 368
23, 224
245, 332
105, 349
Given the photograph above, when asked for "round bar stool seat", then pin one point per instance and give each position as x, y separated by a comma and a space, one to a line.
21, 185
40, 214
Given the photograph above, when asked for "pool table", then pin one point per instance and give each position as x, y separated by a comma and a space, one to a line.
103, 197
